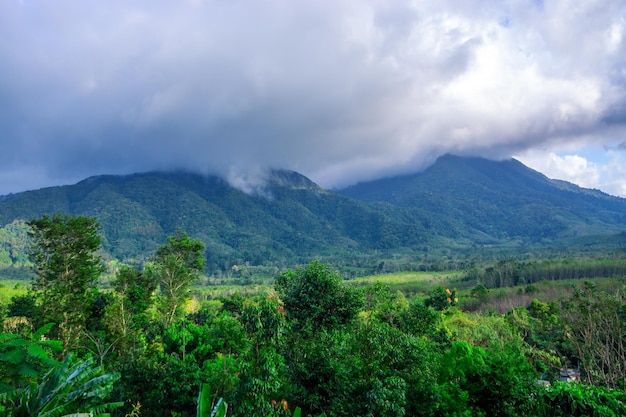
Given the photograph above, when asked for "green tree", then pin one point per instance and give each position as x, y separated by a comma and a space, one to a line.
133, 295
263, 367
315, 297
442, 298
175, 267
497, 381
207, 348
594, 327
63, 253
14, 244
24, 306
421, 320
383, 305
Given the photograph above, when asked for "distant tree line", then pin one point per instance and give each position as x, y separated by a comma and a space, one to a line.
509, 273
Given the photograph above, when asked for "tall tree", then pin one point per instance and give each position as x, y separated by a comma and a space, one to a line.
176, 266
63, 252
594, 324
134, 295
316, 298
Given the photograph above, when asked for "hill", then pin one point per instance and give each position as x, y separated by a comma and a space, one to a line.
495, 202
458, 203
288, 221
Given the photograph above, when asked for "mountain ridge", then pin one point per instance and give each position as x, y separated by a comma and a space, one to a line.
289, 219
505, 188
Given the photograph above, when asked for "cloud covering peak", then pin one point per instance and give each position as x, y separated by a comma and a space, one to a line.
340, 91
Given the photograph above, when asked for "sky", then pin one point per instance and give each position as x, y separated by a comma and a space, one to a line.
341, 91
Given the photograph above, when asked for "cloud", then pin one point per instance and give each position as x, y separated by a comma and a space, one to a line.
572, 168
608, 174
341, 91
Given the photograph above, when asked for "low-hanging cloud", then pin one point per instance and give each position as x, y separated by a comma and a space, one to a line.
341, 91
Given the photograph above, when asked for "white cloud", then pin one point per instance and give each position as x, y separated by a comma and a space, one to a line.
572, 168
341, 91
608, 175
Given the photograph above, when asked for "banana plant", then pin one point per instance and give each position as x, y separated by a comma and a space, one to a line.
73, 389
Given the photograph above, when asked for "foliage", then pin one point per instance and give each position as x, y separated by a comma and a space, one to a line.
175, 267
383, 305
220, 409
322, 372
562, 399
315, 297
543, 335
63, 253
442, 298
126, 314
507, 273
24, 306
492, 382
70, 389
596, 330
14, 244
23, 358
327, 347
422, 320
136, 289
263, 367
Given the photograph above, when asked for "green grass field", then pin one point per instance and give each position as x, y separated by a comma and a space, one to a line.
10, 288
411, 283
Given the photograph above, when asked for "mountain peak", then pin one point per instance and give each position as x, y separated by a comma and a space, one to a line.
292, 180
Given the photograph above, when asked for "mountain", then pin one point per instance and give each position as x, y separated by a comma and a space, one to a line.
287, 221
491, 202
456, 203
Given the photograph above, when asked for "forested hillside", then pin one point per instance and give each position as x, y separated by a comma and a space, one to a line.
491, 202
468, 206
288, 221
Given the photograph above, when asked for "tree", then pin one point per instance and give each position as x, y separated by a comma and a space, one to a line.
176, 266
494, 381
596, 330
442, 298
315, 297
262, 369
63, 252
134, 295
24, 306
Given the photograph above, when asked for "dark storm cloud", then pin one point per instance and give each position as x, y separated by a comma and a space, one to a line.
341, 91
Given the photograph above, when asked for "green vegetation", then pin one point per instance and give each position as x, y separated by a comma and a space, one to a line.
63, 254
10, 289
460, 213
70, 388
307, 341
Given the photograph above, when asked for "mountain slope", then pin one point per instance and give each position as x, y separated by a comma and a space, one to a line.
457, 203
289, 220
490, 201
